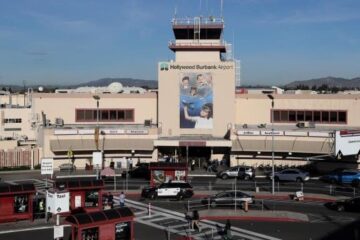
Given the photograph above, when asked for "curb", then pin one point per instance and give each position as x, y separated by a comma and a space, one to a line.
260, 197
252, 218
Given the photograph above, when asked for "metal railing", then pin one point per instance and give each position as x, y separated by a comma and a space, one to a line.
246, 186
202, 20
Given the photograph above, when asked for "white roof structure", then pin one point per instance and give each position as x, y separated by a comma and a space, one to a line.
114, 87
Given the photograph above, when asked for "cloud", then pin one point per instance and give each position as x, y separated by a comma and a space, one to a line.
37, 53
308, 17
62, 24
317, 12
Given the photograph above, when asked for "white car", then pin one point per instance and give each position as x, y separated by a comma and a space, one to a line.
176, 189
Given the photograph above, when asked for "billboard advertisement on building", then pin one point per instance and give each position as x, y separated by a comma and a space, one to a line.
196, 100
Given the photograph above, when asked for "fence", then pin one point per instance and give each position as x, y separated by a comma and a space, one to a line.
19, 157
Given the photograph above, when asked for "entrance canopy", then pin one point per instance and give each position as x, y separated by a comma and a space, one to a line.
101, 217
63, 145
9, 189
192, 141
79, 184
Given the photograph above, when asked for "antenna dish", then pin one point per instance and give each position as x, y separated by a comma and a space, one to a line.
41, 88
115, 87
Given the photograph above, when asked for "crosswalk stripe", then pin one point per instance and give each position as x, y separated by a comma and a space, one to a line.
210, 226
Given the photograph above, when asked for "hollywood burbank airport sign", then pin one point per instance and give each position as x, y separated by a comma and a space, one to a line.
165, 66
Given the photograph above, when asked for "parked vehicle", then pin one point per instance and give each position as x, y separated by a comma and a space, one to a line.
173, 189
343, 177
242, 172
351, 205
294, 175
228, 198
67, 167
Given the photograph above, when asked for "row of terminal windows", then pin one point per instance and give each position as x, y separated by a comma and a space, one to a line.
322, 116
12, 120
105, 115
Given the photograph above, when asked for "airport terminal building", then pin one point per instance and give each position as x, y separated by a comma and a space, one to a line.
195, 114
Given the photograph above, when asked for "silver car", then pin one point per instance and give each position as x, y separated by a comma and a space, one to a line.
242, 172
67, 167
294, 175
227, 198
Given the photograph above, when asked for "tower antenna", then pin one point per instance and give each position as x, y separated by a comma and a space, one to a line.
221, 8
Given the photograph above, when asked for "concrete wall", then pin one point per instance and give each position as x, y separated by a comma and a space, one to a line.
16, 130
256, 108
63, 105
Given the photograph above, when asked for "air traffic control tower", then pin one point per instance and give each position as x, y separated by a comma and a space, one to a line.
197, 89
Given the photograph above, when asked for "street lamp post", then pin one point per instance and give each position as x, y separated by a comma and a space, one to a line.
272, 144
97, 98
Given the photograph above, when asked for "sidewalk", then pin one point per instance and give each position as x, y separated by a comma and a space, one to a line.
253, 215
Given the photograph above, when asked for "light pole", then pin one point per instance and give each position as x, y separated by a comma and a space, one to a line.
97, 98
272, 144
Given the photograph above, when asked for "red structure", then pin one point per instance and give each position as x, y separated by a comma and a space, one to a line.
16, 202
112, 224
165, 171
84, 194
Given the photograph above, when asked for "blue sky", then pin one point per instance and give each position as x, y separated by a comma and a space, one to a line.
74, 41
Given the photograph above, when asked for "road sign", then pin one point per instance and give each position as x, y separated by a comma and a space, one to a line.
58, 231
97, 158
57, 202
47, 166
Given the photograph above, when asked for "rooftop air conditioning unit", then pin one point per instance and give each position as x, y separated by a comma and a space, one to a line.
305, 124
59, 122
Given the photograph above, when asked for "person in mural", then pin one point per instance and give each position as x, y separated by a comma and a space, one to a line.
205, 119
193, 91
203, 86
185, 86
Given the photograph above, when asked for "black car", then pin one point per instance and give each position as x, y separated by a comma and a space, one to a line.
175, 189
351, 205
141, 171
228, 198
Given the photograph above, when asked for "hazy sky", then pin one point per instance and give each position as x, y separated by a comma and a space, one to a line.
73, 41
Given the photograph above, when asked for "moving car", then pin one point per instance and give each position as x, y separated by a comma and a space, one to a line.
172, 189
343, 177
227, 198
294, 175
242, 172
67, 167
352, 205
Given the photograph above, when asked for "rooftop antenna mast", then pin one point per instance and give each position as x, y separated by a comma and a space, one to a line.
221, 8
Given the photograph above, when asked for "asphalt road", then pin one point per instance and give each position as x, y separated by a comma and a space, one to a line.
210, 183
324, 224
142, 232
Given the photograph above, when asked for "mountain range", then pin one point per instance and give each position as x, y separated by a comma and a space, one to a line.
329, 81
153, 84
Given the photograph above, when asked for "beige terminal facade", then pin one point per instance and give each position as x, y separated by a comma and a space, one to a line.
195, 114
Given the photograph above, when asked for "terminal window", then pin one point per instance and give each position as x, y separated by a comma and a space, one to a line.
318, 116
12, 120
105, 115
